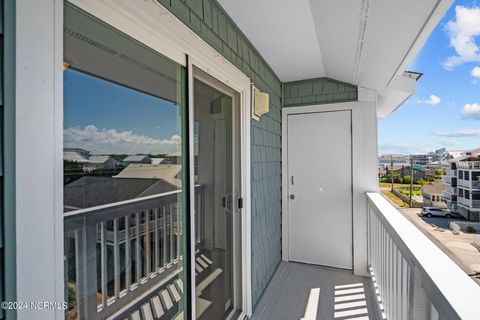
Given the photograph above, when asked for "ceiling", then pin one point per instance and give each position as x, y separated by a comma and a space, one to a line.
365, 42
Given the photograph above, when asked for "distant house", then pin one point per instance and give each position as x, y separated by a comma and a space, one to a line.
418, 173
173, 158
157, 160
73, 156
141, 158
432, 194
102, 162
84, 153
170, 173
91, 191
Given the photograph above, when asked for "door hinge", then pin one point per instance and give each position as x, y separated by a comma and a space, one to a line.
240, 203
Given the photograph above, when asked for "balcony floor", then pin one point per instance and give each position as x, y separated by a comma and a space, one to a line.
343, 296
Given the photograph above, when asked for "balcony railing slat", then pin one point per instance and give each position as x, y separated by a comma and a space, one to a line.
138, 248
128, 255
103, 264
116, 259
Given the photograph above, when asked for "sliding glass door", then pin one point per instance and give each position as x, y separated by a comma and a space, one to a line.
215, 136
124, 182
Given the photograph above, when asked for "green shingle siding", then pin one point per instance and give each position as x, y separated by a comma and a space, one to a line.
317, 91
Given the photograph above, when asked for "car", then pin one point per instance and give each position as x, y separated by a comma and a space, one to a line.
436, 212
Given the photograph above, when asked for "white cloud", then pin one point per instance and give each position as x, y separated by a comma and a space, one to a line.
459, 133
449, 143
462, 33
475, 72
471, 111
432, 100
112, 141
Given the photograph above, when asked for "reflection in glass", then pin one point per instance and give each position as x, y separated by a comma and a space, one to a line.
123, 160
214, 212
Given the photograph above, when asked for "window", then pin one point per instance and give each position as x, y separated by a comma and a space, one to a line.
124, 164
467, 175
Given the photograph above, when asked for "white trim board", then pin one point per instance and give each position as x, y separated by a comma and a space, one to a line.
364, 167
156, 27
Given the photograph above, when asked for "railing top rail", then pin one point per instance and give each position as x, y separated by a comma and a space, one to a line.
112, 206
457, 288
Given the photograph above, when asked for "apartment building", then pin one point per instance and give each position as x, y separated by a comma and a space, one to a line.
461, 189
248, 95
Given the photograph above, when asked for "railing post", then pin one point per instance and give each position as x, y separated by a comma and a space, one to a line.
86, 253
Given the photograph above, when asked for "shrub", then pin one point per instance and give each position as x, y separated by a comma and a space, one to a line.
470, 229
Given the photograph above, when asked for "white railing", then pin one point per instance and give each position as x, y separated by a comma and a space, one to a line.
463, 183
469, 202
413, 278
468, 164
116, 254
475, 184
451, 172
447, 179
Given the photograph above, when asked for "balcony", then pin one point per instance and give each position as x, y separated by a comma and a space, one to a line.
411, 278
122, 259
468, 165
447, 179
469, 203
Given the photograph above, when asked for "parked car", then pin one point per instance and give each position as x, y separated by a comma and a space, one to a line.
436, 212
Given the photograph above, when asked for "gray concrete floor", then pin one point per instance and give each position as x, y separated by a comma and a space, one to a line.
342, 295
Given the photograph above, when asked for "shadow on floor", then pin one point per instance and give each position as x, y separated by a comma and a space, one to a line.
343, 296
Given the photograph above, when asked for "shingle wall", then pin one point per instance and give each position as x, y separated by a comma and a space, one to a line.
208, 20
317, 91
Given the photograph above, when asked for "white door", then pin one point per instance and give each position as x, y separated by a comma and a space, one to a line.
320, 188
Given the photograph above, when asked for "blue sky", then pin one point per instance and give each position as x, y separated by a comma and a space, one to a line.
106, 118
445, 112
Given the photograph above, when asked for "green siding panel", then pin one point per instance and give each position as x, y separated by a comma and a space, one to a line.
317, 91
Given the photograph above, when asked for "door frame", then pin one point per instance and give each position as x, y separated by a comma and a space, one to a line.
237, 179
364, 168
156, 27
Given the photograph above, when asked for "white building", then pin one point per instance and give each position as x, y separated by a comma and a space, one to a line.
461, 188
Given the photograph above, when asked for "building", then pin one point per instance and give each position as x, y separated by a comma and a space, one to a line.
84, 153
102, 162
169, 173
400, 170
388, 159
141, 158
421, 159
301, 86
433, 194
462, 185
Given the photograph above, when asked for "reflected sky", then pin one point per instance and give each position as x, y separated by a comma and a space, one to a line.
107, 118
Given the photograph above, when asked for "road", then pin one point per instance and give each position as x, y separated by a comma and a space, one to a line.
457, 247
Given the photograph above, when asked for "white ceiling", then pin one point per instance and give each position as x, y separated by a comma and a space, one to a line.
364, 42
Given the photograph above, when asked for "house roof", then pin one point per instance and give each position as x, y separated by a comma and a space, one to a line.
74, 156
167, 172
99, 159
91, 191
435, 188
135, 158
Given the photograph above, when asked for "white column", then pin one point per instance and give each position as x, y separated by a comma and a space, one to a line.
38, 155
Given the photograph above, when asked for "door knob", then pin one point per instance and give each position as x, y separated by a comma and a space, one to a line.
292, 196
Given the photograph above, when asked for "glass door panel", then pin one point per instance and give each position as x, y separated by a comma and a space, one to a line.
214, 201
124, 155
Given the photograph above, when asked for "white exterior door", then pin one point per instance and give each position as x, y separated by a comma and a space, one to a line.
320, 188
